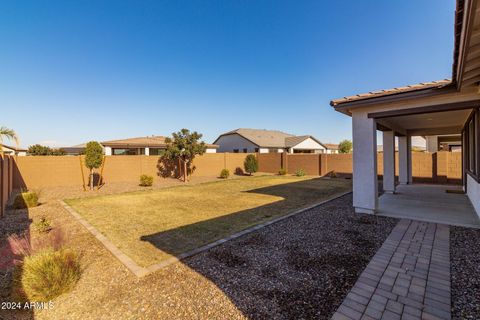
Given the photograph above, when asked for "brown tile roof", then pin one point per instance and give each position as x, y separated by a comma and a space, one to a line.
269, 138
149, 141
387, 92
331, 146
262, 137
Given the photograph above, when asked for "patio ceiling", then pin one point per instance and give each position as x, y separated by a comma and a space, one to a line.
433, 123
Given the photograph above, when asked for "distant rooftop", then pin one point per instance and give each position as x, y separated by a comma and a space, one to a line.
269, 138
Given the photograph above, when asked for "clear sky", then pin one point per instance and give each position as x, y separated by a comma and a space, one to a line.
73, 71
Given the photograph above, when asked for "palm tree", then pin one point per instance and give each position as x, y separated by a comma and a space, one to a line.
9, 134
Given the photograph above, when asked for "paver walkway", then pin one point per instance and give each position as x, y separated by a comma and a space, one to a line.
408, 278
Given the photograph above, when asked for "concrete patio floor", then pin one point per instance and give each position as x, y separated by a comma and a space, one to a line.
427, 202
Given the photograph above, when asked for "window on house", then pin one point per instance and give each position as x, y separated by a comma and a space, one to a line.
471, 145
156, 151
127, 151
235, 150
257, 149
245, 150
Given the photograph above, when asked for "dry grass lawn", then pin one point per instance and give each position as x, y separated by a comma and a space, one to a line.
151, 226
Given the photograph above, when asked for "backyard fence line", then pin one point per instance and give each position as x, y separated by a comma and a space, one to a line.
57, 171
437, 167
6, 181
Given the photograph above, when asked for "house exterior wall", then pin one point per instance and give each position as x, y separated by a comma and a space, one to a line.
473, 193
331, 151
12, 152
432, 143
230, 142
309, 144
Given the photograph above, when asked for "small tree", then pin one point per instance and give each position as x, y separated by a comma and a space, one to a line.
345, 146
93, 158
184, 145
251, 164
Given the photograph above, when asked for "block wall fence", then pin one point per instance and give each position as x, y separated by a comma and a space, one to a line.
53, 171
6, 181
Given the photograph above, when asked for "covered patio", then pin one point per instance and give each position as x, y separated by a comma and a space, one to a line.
435, 108
428, 202
444, 107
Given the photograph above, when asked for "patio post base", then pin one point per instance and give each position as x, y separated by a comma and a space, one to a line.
364, 210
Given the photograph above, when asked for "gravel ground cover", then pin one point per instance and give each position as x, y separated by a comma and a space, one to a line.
465, 272
301, 267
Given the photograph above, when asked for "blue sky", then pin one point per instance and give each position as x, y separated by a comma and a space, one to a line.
73, 71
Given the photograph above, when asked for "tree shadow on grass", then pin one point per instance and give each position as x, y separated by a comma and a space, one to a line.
295, 195
298, 268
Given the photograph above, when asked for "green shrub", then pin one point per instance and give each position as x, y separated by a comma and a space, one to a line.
282, 171
224, 174
43, 225
47, 274
300, 173
26, 199
251, 164
146, 180
239, 171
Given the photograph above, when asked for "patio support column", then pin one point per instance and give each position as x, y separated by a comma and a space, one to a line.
404, 160
365, 180
389, 161
409, 154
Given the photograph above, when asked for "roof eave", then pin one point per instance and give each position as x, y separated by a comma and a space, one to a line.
344, 107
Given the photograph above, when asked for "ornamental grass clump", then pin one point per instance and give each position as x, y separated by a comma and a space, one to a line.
43, 225
146, 180
45, 267
47, 274
300, 173
27, 199
224, 174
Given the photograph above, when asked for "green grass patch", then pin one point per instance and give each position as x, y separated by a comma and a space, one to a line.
151, 226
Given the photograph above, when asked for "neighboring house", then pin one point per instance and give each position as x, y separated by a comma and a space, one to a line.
267, 141
444, 142
445, 107
74, 150
13, 151
151, 145
331, 147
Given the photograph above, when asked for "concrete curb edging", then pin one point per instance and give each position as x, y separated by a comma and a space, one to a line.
142, 271
117, 253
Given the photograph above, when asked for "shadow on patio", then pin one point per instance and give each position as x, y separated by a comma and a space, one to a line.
429, 202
